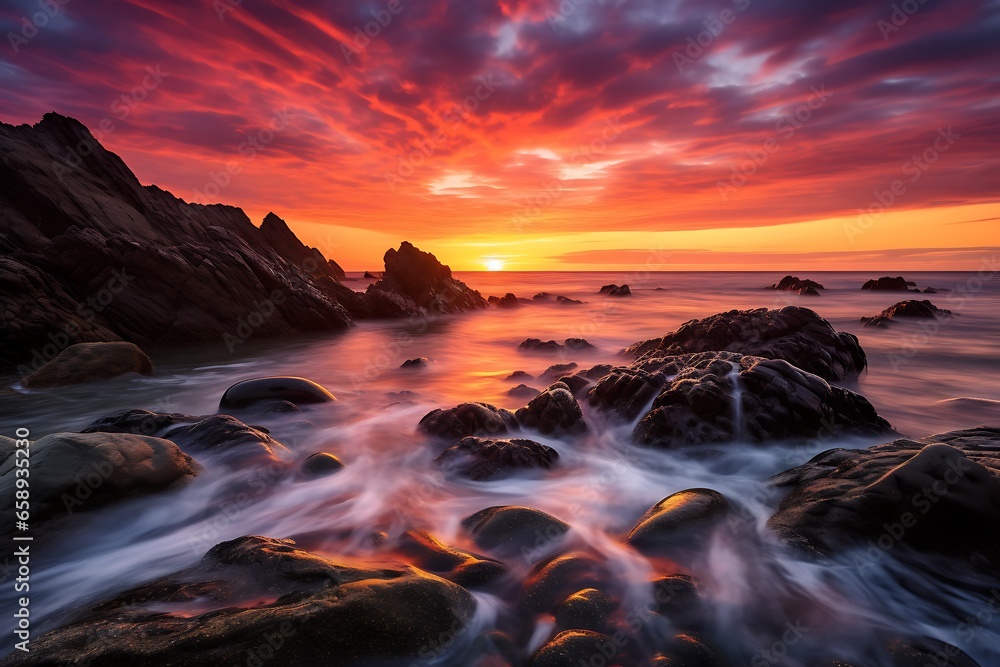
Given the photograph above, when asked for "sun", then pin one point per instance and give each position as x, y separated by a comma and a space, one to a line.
494, 265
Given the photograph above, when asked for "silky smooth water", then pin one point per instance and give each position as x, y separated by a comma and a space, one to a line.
924, 378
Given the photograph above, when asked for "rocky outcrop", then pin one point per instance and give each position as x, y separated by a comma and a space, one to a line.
555, 411
468, 419
939, 495
539, 345
73, 472
508, 300
889, 284
381, 616
795, 284
87, 362
615, 290
483, 459
798, 335
285, 243
910, 308
425, 285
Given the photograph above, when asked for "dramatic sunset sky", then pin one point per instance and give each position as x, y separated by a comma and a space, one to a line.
589, 134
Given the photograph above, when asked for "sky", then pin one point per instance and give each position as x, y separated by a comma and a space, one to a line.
549, 134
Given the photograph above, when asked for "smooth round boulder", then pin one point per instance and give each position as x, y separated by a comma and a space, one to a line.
575, 647
553, 412
299, 391
321, 464
681, 520
551, 583
88, 362
588, 609
511, 530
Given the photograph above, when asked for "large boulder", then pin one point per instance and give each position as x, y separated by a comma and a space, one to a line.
465, 569
615, 290
797, 335
468, 419
318, 612
299, 391
910, 308
940, 494
425, 283
483, 459
889, 284
87, 362
71, 472
794, 284
555, 411
575, 647
683, 520
511, 530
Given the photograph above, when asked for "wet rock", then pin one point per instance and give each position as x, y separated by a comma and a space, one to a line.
579, 344
508, 300
573, 647
523, 391
797, 335
7, 448
88, 362
555, 371
425, 283
520, 375
552, 582
381, 616
933, 495
230, 438
419, 362
542, 296
927, 651
676, 597
683, 520
287, 245
553, 412
460, 567
587, 609
794, 284
889, 284
576, 383
616, 290
371, 276
71, 472
468, 419
483, 459
321, 464
139, 422
626, 392
689, 651
292, 389
910, 308
566, 301
514, 530
936, 290
538, 345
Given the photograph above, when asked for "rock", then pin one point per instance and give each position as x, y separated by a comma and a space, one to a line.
460, 567
538, 345
719, 397
420, 362
552, 582
292, 389
936, 290
523, 391
508, 300
483, 459
573, 647
579, 344
7, 448
370, 275
230, 438
794, 284
286, 244
100, 257
676, 597
468, 419
566, 301
934, 495
888, 284
381, 616
587, 609
425, 283
925, 651
688, 651
542, 296
683, 520
520, 375
553, 412
910, 308
87, 362
616, 290
71, 472
321, 464
138, 422
555, 371
797, 335
576, 383
514, 530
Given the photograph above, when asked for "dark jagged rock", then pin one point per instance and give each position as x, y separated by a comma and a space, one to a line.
579, 344
566, 301
299, 391
508, 300
83, 471
910, 308
420, 362
87, 362
483, 459
370, 275
936, 290
468, 419
230, 437
138, 422
523, 391
286, 244
381, 616
553, 412
703, 404
538, 345
683, 520
92, 255
889, 284
797, 335
321, 464
542, 296
461, 567
616, 290
576, 384
555, 371
936, 495
574, 647
426, 284
512, 530
517, 376
794, 284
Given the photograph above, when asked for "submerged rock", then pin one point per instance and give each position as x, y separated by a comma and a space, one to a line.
566, 301
889, 284
520, 375
508, 300
87, 362
910, 308
553, 412
512, 530
683, 520
380, 616
587, 609
229, 437
797, 335
794, 284
460, 567
81, 471
468, 419
425, 284
935, 495
292, 389
553, 581
538, 345
523, 391
573, 647
483, 459
321, 464
555, 371
616, 290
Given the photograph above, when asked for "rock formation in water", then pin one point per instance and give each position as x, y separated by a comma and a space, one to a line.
798, 335
794, 284
889, 284
87, 362
906, 309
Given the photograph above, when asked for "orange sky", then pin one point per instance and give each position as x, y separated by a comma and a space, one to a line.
499, 131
